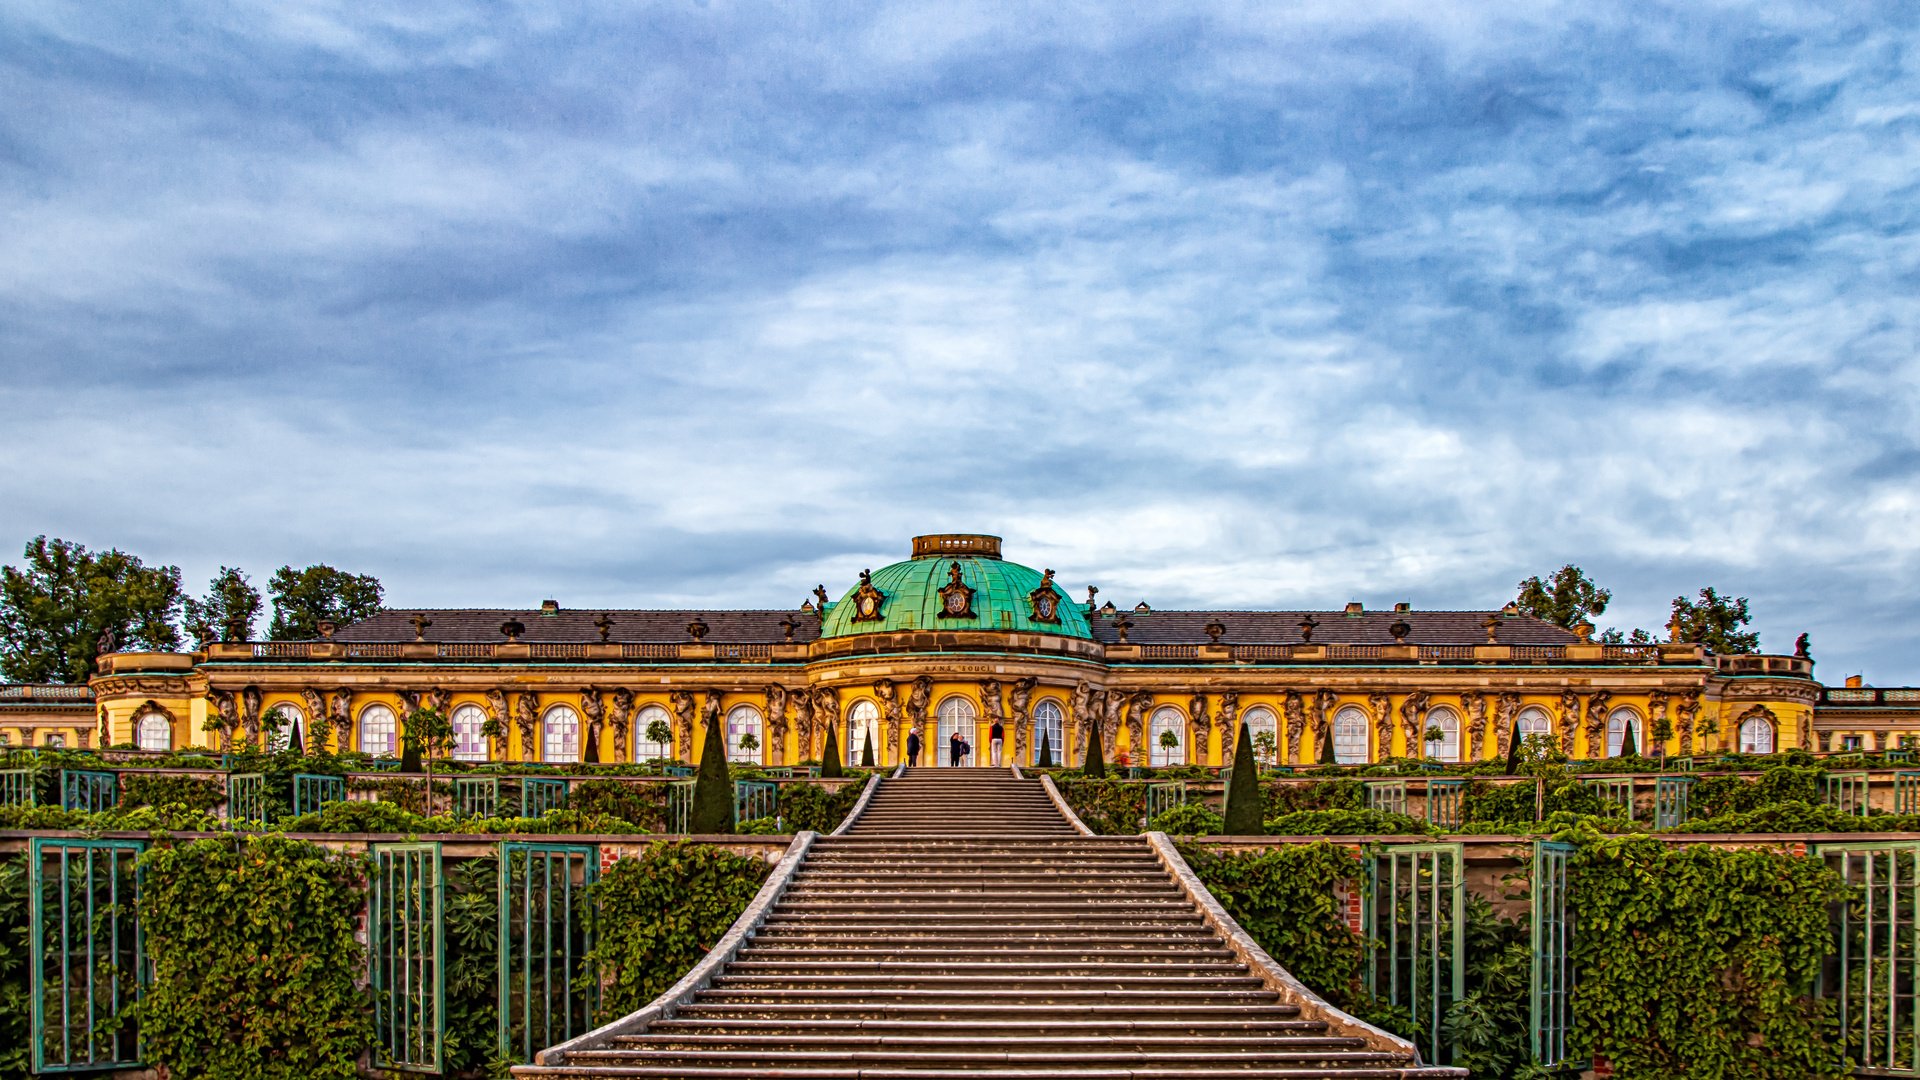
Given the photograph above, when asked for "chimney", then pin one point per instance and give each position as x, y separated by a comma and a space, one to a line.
1402, 608
1353, 607
549, 607
1855, 680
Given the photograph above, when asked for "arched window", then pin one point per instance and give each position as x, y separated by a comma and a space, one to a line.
1533, 720
1050, 727
377, 727
863, 719
1447, 747
956, 715
1756, 736
645, 747
560, 729
1167, 719
743, 735
154, 732
469, 738
1350, 736
1618, 723
1261, 721
291, 720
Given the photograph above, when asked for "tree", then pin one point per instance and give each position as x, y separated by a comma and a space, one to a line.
1568, 598
712, 788
1627, 746
1714, 621
1614, 637
1515, 743
830, 763
229, 611
302, 599
56, 610
659, 731
424, 730
1327, 754
1094, 768
1045, 760
1243, 791
866, 752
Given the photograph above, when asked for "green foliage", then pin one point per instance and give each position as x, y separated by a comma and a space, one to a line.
1044, 759
380, 817
1490, 1021
473, 959
15, 1001
302, 599
356, 816
661, 912
1108, 807
1794, 816
644, 804
1287, 900
55, 610
1485, 801
713, 787
227, 614
1719, 796
1188, 819
1279, 800
1243, 789
118, 819
765, 826
254, 957
1713, 620
1347, 823
866, 750
832, 762
816, 807
189, 792
421, 730
1697, 962
1567, 599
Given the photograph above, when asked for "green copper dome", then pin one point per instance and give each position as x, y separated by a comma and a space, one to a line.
994, 594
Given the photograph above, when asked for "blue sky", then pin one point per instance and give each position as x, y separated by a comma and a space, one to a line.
1207, 304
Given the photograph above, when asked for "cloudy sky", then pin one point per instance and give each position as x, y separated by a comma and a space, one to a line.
1207, 304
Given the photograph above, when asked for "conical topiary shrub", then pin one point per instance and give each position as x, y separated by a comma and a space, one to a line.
1045, 760
866, 752
1243, 790
712, 787
830, 763
1327, 756
1094, 769
1514, 741
1627, 747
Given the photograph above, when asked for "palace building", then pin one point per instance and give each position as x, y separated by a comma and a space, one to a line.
950, 640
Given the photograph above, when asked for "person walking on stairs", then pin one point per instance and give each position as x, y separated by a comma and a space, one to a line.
913, 749
996, 736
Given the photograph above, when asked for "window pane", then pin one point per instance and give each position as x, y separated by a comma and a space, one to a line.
742, 721
1049, 724
562, 727
469, 744
377, 724
1165, 721
644, 748
1350, 736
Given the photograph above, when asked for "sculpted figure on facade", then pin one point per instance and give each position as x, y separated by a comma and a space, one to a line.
595, 709
1021, 697
499, 719
1569, 720
1202, 726
341, 713
917, 706
250, 699
803, 721
1323, 703
223, 706
1656, 717
316, 732
438, 699
528, 716
1413, 720
1473, 705
777, 726
620, 714
1138, 706
1089, 722
1597, 723
1227, 718
826, 713
1116, 708
1296, 710
710, 710
1503, 719
889, 698
684, 709
1382, 708
990, 702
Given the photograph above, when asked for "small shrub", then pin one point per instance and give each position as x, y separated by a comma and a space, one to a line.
1189, 819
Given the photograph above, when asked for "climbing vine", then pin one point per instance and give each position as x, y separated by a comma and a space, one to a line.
816, 806
254, 960
190, 792
1694, 962
1108, 807
661, 912
15, 1029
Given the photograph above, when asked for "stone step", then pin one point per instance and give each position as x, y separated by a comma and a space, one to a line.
1100, 968
1006, 983
918, 951
1280, 1054
864, 997
1117, 1028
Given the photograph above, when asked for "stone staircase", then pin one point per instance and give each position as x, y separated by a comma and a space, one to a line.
963, 928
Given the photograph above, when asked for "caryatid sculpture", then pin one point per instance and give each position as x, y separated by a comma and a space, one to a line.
777, 722
595, 708
620, 713
917, 706
889, 698
826, 713
1021, 697
498, 719
803, 723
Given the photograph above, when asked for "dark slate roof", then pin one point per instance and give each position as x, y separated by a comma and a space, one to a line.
458, 624
1157, 628
1336, 628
